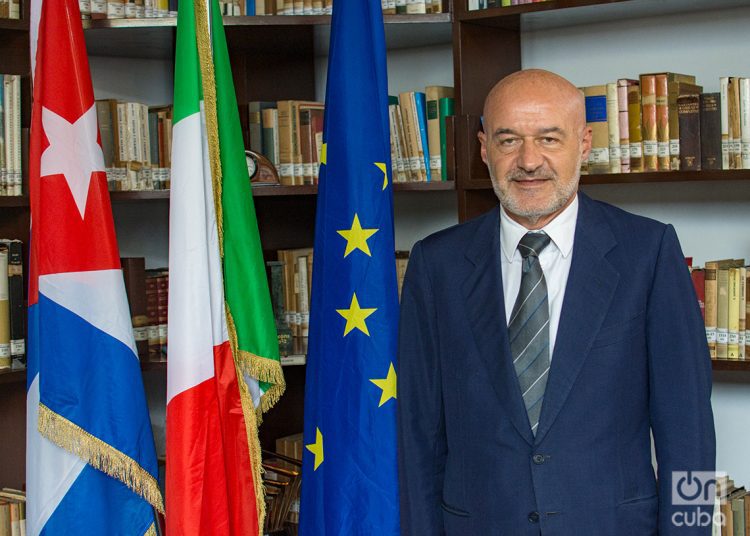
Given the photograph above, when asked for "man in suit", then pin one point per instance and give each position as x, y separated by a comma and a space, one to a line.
543, 343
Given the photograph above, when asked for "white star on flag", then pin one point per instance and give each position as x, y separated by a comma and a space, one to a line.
73, 152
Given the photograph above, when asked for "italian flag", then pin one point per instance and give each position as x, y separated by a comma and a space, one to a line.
223, 369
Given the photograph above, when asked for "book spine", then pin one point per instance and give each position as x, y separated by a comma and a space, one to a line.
733, 313
725, 142
613, 129
162, 282
722, 313
269, 135
745, 121
306, 145
711, 298
408, 114
416, 6
134, 274
688, 115
446, 106
747, 313
699, 284
624, 123
742, 309
673, 89
421, 108
5, 358
735, 131
710, 129
303, 296
662, 122
152, 312
254, 127
596, 119
650, 143
17, 309
397, 164
286, 156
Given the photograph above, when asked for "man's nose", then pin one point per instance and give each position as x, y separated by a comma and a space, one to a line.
530, 157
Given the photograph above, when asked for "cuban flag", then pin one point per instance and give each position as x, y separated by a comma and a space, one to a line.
91, 463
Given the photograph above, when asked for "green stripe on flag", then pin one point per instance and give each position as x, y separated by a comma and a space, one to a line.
187, 69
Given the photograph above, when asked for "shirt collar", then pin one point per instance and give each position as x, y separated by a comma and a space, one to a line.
561, 231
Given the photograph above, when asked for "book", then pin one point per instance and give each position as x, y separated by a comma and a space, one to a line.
676, 89
613, 128
722, 310
698, 276
134, 274
270, 134
688, 112
433, 94
710, 131
711, 272
16, 304
5, 359
745, 122
624, 123
420, 105
662, 123
596, 119
724, 108
735, 132
733, 313
635, 134
649, 130
446, 106
743, 312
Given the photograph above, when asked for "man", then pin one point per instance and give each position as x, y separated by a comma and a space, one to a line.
542, 344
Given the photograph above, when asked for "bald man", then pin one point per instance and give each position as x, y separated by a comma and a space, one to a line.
543, 344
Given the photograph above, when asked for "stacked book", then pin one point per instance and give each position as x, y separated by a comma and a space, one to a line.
325, 7
731, 508
136, 143
12, 512
486, 4
127, 9
10, 134
10, 9
148, 297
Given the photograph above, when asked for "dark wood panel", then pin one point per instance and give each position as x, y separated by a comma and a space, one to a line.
15, 51
731, 364
286, 221
13, 431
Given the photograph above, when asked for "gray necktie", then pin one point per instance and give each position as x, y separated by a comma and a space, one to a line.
528, 328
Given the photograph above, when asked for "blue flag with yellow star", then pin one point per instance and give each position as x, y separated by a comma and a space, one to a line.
350, 475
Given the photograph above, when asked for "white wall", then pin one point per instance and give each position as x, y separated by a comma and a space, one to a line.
711, 219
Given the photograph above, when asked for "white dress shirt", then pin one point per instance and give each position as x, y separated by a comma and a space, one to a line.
555, 260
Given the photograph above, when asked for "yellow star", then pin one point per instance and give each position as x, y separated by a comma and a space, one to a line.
324, 154
356, 237
388, 385
355, 317
381, 167
317, 448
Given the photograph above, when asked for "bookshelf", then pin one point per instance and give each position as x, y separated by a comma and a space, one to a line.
273, 52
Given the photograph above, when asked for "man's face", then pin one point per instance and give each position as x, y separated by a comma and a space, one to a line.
533, 144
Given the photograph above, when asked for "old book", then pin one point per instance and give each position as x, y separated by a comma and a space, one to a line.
317, 116
738, 512
162, 282
613, 129
416, 6
307, 142
596, 119
711, 299
286, 257
688, 112
722, 311
284, 332
662, 123
152, 312
403, 142
411, 133
724, 108
675, 89
433, 95
747, 313
710, 128
104, 117
743, 311
288, 142
134, 274
649, 130
698, 276
270, 134
16, 305
733, 313
624, 123
635, 132
420, 105
4, 311
255, 111
446, 106
397, 162
745, 121
303, 295
305, 146
735, 131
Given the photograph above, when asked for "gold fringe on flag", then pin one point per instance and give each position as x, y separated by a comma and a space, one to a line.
99, 455
151, 531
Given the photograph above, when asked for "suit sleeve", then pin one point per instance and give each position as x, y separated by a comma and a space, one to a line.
679, 383
421, 428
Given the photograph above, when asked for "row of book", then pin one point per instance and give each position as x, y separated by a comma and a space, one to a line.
325, 7
731, 509
148, 296
10, 134
290, 134
138, 178
10, 9
127, 9
664, 122
486, 4
418, 135
12, 512
12, 307
721, 288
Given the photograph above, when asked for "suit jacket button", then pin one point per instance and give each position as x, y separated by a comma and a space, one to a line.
534, 517
538, 459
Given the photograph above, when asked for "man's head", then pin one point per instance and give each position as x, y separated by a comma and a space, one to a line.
535, 138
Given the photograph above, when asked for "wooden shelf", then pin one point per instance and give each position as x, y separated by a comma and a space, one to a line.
737, 365
14, 201
14, 24
154, 366
18, 376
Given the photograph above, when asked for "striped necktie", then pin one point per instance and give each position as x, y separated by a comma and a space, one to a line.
528, 328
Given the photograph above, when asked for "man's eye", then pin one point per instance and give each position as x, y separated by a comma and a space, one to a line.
549, 141
507, 141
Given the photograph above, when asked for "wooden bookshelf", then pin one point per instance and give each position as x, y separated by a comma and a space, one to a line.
734, 365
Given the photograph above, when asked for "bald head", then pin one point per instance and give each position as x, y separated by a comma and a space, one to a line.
537, 85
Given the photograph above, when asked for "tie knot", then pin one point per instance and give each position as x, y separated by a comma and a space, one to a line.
533, 244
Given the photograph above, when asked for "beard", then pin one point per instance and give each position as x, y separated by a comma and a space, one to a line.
534, 210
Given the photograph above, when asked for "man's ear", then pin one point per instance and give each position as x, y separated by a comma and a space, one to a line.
586, 143
483, 145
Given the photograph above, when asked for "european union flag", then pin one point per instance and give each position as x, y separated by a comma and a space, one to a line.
350, 476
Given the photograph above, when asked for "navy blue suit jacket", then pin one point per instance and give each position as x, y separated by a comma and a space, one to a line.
630, 358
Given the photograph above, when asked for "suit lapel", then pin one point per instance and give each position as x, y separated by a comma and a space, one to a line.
482, 289
588, 294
